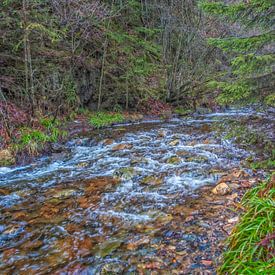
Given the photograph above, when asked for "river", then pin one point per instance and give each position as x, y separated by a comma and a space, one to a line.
130, 199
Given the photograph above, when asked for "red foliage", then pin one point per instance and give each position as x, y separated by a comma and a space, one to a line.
268, 243
154, 107
11, 117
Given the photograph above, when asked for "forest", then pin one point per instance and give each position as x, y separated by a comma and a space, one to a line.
137, 136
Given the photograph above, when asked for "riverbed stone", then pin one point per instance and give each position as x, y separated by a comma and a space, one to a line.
136, 242
173, 160
140, 160
107, 247
125, 173
174, 142
108, 141
221, 189
151, 180
122, 147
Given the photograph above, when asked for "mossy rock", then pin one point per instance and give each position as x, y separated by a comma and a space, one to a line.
152, 180
173, 160
126, 173
108, 247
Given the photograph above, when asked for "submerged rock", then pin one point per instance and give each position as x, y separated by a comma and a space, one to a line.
63, 194
108, 141
136, 242
162, 134
122, 147
108, 247
151, 180
112, 268
221, 189
174, 142
125, 173
139, 161
173, 160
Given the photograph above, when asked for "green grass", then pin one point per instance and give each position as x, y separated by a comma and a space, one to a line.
265, 164
245, 253
34, 140
182, 112
102, 119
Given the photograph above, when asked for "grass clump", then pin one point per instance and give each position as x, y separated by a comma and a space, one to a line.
251, 245
102, 119
267, 164
182, 111
34, 140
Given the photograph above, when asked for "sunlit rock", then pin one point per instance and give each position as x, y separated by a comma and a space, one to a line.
174, 142
151, 180
125, 173
173, 160
122, 147
221, 189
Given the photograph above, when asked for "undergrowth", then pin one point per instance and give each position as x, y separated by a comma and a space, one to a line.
102, 119
251, 245
34, 140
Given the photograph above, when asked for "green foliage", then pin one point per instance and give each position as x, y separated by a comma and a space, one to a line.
102, 119
265, 164
34, 140
245, 254
241, 11
270, 100
243, 44
252, 65
182, 111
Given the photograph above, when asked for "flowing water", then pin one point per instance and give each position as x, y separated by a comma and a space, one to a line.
107, 205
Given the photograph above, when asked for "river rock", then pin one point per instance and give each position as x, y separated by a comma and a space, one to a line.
108, 247
6, 158
139, 161
136, 242
221, 189
233, 220
174, 142
162, 134
173, 160
125, 173
63, 194
122, 147
112, 268
151, 180
108, 141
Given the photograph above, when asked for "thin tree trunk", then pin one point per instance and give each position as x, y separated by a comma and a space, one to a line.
103, 64
29, 83
127, 94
